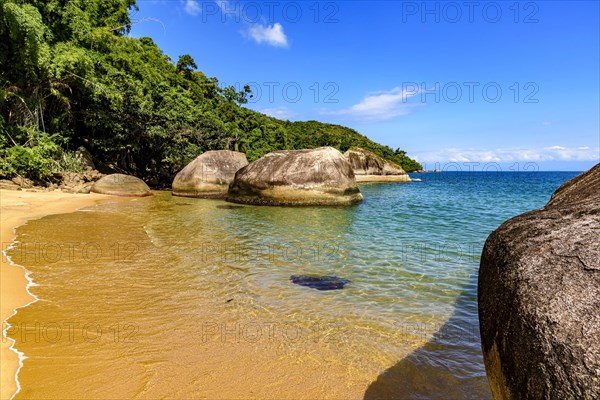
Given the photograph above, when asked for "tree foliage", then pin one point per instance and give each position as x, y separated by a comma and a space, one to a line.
70, 77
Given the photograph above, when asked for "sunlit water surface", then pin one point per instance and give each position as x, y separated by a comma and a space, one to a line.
168, 297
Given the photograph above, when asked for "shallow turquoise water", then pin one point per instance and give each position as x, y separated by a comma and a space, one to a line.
408, 321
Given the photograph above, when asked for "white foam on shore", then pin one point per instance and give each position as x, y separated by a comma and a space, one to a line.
30, 283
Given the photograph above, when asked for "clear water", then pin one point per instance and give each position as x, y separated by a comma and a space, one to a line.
172, 297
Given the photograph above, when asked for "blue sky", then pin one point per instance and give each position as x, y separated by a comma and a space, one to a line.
512, 83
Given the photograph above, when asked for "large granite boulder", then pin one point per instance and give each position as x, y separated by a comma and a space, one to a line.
209, 175
369, 167
121, 185
319, 177
539, 298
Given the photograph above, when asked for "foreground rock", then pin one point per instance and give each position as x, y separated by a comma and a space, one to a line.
539, 298
315, 177
209, 175
369, 167
121, 185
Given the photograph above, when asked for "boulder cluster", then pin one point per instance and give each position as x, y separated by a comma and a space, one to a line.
311, 177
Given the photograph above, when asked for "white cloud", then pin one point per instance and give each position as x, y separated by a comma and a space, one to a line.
552, 153
272, 35
567, 153
380, 106
192, 7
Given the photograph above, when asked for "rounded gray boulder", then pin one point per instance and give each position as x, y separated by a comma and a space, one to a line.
209, 174
121, 185
314, 177
369, 167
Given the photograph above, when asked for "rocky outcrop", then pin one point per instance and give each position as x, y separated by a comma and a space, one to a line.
22, 182
539, 298
85, 158
315, 177
121, 185
9, 185
73, 182
369, 167
69, 182
209, 175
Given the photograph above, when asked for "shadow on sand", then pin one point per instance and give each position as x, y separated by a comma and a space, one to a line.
449, 366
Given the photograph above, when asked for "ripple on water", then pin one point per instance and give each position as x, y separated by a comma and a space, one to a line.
191, 294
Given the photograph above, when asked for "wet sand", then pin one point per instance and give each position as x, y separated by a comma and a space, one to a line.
16, 208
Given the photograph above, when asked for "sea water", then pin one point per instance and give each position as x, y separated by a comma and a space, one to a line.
171, 297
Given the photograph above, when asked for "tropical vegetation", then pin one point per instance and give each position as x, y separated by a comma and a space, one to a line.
71, 77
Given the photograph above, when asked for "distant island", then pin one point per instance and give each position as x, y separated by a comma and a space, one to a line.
77, 87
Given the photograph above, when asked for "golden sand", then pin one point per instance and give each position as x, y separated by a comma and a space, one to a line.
16, 208
205, 351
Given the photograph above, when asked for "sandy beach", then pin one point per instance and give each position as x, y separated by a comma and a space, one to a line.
19, 207
276, 366
155, 304
16, 208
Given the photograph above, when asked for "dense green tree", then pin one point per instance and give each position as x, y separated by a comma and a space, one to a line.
70, 77
186, 65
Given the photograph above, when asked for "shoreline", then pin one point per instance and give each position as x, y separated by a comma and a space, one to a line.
20, 207
17, 208
382, 178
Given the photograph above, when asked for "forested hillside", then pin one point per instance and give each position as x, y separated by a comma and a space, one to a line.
70, 77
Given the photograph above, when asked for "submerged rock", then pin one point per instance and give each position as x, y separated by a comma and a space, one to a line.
369, 167
121, 185
539, 298
209, 175
315, 177
320, 282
